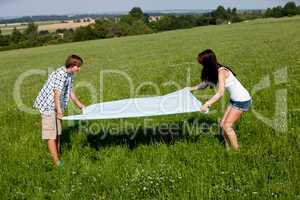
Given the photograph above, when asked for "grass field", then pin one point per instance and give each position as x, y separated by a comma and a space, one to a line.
126, 163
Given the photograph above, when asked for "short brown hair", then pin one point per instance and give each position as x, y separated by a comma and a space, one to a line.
73, 60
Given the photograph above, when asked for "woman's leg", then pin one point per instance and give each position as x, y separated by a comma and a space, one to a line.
226, 142
233, 115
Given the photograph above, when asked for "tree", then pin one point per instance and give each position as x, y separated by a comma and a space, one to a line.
203, 20
221, 13
275, 12
4, 41
234, 16
268, 12
228, 11
136, 12
44, 39
186, 21
108, 29
115, 30
139, 27
278, 12
16, 36
44, 32
219, 21
290, 9
60, 30
31, 35
128, 19
31, 29
166, 23
84, 33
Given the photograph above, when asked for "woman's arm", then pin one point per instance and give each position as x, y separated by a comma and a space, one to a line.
221, 89
200, 86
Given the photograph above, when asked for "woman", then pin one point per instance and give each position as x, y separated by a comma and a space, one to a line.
216, 75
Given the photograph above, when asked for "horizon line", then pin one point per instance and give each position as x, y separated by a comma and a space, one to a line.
118, 12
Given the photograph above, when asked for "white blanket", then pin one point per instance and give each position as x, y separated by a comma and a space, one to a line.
182, 101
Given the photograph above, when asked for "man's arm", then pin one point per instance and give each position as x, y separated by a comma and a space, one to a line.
76, 100
57, 103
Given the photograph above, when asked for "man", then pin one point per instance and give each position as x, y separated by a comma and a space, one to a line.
53, 99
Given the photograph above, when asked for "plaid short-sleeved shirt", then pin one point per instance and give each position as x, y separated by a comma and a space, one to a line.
58, 80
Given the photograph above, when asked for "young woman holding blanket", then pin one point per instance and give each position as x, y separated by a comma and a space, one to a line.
216, 75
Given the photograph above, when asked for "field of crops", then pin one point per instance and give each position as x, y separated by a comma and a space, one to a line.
50, 26
168, 157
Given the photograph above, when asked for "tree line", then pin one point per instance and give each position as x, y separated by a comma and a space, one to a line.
290, 9
135, 23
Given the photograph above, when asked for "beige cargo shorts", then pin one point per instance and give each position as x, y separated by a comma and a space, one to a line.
51, 126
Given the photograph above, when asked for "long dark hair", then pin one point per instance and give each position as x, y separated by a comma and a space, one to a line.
210, 65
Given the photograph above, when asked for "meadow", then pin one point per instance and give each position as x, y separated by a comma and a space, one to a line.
143, 158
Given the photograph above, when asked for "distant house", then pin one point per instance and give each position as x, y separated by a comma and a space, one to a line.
117, 19
76, 21
154, 18
61, 35
84, 20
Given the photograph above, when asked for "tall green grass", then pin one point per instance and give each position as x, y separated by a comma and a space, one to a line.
187, 164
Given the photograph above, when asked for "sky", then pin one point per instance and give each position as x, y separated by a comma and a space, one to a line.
47, 7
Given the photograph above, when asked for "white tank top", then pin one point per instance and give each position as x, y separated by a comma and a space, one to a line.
236, 89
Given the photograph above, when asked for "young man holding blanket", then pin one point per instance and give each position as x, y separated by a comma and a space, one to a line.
53, 99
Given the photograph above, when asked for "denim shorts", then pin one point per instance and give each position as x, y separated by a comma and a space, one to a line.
241, 105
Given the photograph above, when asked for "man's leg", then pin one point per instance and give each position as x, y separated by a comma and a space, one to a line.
50, 133
52, 147
58, 130
58, 145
